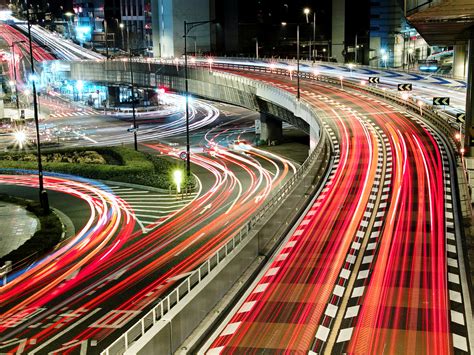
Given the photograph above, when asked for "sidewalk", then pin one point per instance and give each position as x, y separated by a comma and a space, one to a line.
17, 225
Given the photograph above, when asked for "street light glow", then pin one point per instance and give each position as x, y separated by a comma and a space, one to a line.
306, 11
20, 138
178, 177
121, 25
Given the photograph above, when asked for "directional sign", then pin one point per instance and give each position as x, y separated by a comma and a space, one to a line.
183, 155
441, 101
461, 117
374, 79
405, 87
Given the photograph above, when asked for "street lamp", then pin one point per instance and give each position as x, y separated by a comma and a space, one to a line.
43, 195
284, 24
14, 73
69, 15
312, 40
341, 78
188, 26
121, 25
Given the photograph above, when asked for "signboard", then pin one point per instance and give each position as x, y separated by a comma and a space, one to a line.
461, 117
405, 87
374, 79
183, 155
438, 101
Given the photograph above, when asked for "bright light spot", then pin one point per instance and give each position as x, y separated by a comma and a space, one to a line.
20, 137
405, 96
351, 66
27, 92
316, 72
420, 103
341, 77
410, 50
283, 23
462, 150
33, 78
363, 82
122, 25
384, 57
79, 85
178, 177
382, 50
193, 60
272, 66
11, 83
306, 11
210, 60
458, 136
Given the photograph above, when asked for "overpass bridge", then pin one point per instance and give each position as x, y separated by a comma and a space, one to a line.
167, 325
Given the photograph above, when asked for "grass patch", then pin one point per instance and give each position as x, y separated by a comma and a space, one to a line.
43, 241
115, 163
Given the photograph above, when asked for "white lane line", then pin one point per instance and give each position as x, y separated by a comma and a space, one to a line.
60, 334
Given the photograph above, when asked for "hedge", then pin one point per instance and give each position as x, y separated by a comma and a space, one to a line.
123, 164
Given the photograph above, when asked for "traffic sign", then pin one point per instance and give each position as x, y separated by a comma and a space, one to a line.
437, 101
183, 155
374, 79
461, 117
405, 87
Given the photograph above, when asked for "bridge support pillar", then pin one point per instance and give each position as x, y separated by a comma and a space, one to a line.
271, 129
113, 96
469, 129
459, 61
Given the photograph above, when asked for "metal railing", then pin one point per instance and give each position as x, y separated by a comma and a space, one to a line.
151, 318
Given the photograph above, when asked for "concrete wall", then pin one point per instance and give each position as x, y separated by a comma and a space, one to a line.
171, 15
338, 29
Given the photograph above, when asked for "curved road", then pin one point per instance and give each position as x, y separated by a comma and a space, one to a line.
372, 266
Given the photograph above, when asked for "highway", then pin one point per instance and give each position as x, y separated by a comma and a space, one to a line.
372, 265
82, 297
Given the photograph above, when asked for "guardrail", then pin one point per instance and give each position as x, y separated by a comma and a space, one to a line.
120, 345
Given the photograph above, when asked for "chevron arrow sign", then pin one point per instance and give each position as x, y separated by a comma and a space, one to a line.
405, 87
374, 79
461, 117
444, 101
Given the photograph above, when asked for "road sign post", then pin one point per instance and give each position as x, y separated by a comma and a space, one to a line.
440, 101
374, 80
405, 87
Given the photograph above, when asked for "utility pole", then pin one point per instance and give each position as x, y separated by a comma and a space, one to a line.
298, 60
43, 195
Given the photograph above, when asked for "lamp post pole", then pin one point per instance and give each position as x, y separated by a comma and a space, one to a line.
298, 61
14, 73
188, 26
43, 195
135, 141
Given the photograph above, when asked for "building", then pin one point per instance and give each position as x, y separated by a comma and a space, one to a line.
393, 42
168, 26
136, 16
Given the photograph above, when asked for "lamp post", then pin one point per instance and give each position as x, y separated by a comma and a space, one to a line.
43, 195
284, 24
188, 26
121, 25
14, 73
135, 141
69, 15
312, 40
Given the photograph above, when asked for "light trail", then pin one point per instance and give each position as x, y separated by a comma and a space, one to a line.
403, 305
